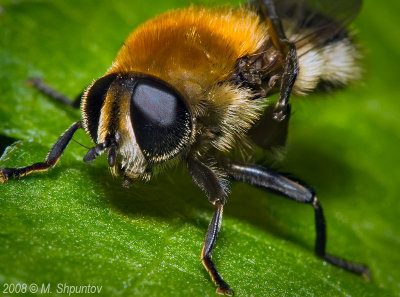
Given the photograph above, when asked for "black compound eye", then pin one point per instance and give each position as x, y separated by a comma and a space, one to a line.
161, 120
95, 97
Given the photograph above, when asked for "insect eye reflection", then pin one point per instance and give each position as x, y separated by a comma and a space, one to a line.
161, 120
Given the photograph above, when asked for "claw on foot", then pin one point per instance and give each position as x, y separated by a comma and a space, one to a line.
366, 274
3, 175
225, 290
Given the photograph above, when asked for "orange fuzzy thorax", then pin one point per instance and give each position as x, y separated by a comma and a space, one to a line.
192, 48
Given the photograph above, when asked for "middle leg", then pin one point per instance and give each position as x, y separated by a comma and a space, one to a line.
271, 181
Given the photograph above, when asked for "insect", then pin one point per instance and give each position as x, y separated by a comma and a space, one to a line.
192, 86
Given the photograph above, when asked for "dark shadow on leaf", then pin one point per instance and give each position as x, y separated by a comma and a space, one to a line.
173, 196
323, 170
5, 141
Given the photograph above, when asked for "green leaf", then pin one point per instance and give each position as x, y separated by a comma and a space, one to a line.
76, 225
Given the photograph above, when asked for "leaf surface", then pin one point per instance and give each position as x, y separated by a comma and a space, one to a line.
76, 225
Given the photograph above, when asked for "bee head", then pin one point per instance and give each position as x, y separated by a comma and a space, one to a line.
140, 119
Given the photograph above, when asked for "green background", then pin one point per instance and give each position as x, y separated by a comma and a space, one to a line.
76, 225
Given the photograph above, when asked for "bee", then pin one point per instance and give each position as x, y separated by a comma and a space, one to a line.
193, 85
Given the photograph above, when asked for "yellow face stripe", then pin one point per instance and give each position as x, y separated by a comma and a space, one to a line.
115, 107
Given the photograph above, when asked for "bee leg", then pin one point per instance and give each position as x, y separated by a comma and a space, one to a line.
51, 160
269, 180
288, 50
214, 187
40, 85
208, 248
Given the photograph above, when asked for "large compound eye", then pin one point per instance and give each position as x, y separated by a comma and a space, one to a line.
94, 98
161, 120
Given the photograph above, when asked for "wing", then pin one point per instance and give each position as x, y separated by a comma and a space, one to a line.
314, 21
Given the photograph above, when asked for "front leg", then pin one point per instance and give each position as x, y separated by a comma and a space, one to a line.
269, 180
52, 158
290, 62
215, 188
